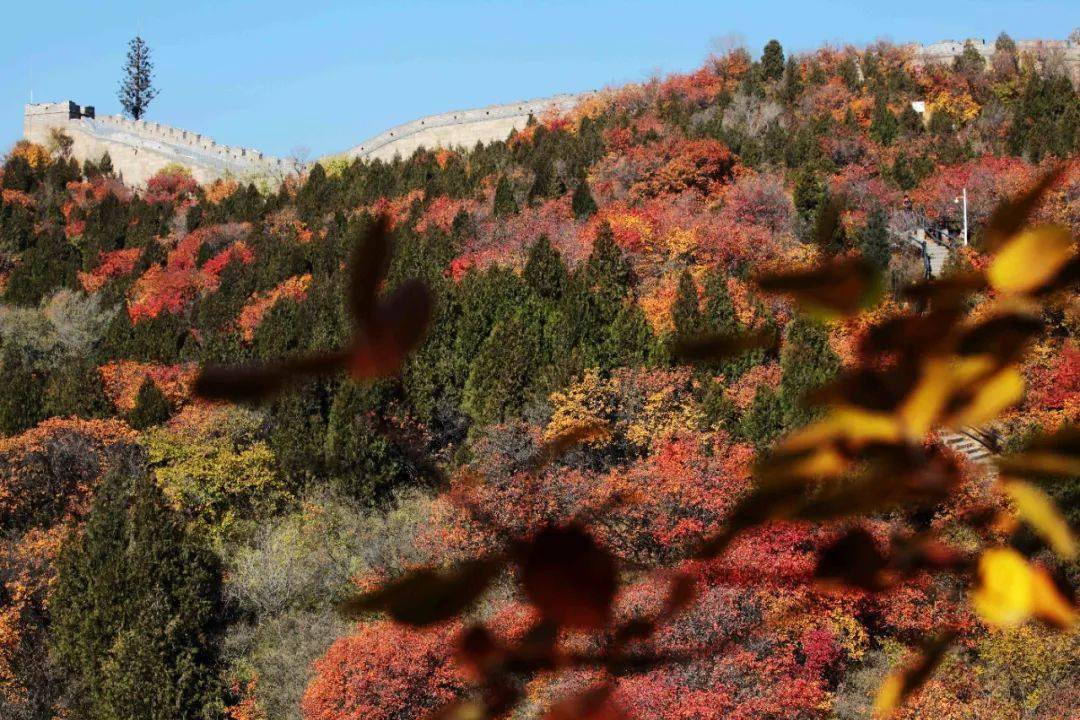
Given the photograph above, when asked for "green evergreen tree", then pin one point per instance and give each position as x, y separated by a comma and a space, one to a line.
809, 195
764, 420
874, 239
501, 372
884, 126
363, 463
583, 204
136, 611
545, 272
970, 62
772, 61
151, 407
505, 204
630, 342
793, 84
686, 308
75, 388
137, 88
20, 400
807, 362
298, 434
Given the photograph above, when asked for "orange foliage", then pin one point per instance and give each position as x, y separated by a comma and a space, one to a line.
294, 288
122, 380
384, 672
111, 265
170, 288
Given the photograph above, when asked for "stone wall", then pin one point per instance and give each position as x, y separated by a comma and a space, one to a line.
461, 128
139, 149
1066, 51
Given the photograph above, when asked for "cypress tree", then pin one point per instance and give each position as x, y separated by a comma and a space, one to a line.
20, 400
151, 407
137, 88
545, 272
764, 420
807, 362
884, 125
75, 388
793, 85
505, 204
874, 239
583, 204
500, 373
772, 61
364, 464
686, 309
137, 610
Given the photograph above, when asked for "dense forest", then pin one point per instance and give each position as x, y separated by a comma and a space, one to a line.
164, 556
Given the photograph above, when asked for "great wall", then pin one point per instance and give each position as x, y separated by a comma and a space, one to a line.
139, 149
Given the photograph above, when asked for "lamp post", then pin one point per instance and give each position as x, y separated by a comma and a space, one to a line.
963, 199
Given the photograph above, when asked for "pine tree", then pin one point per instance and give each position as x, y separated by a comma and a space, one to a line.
772, 61
807, 362
545, 272
874, 239
151, 407
583, 204
686, 309
137, 611
505, 204
970, 62
137, 88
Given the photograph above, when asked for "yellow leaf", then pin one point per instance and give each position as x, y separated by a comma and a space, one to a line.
920, 411
1039, 511
889, 695
854, 425
1011, 591
1030, 260
990, 398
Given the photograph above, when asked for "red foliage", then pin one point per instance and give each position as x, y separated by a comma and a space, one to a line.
173, 186
384, 672
110, 266
170, 288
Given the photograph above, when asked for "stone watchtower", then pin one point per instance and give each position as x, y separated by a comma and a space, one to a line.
39, 120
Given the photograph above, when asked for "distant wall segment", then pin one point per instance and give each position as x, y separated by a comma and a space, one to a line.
460, 128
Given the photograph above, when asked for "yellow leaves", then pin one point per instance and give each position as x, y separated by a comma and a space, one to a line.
1030, 260
1011, 591
855, 426
990, 398
959, 392
1035, 507
905, 681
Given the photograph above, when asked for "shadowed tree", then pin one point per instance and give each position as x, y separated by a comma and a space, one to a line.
137, 88
772, 60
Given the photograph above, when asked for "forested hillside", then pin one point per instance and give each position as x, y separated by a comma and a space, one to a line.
168, 557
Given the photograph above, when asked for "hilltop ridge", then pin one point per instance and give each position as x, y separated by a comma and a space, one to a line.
140, 149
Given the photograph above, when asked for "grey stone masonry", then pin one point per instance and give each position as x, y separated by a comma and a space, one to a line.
459, 128
139, 149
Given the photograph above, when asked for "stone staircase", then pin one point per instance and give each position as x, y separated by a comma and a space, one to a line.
968, 443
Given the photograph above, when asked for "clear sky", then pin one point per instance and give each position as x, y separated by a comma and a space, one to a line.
283, 74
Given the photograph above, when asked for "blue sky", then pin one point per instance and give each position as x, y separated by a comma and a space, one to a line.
280, 74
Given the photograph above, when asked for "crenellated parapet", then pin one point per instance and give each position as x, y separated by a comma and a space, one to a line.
1065, 51
139, 149
459, 128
